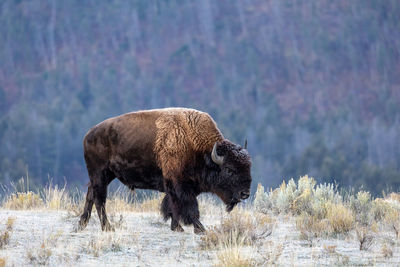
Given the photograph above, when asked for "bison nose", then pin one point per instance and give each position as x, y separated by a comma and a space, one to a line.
244, 194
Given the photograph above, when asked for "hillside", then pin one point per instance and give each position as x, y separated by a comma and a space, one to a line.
313, 85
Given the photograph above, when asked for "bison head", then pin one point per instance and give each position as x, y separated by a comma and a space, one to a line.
234, 177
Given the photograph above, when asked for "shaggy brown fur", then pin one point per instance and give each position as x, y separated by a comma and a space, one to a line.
181, 134
168, 150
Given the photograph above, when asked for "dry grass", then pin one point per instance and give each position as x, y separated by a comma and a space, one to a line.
338, 220
10, 223
4, 239
23, 201
241, 226
394, 197
2, 262
5, 235
52, 197
311, 226
123, 200
56, 198
41, 255
108, 242
234, 255
330, 248
387, 251
341, 219
150, 203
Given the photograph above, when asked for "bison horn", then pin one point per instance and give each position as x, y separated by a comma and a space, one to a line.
245, 144
214, 156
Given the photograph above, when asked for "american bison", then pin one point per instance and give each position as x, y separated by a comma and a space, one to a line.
178, 151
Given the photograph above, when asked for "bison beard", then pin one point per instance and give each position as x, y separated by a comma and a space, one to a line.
177, 151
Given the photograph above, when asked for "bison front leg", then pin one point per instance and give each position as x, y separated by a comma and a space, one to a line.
167, 213
189, 211
183, 206
170, 206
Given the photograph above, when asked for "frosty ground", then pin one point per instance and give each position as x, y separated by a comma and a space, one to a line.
143, 239
298, 224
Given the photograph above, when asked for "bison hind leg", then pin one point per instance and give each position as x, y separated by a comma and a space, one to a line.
87, 210
100, 183
167, 213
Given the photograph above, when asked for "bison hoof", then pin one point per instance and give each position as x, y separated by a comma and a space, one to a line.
79, 228
178, 228
199, 231
81, 225
108, 228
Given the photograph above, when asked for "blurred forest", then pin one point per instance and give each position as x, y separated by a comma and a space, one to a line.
313, 85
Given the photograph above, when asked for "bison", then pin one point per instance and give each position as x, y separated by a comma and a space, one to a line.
178, 151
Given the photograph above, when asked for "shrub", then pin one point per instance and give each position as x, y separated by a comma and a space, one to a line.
380, 209
392, 218
364, 236
361, 206
284, 196
261, 200
297, 199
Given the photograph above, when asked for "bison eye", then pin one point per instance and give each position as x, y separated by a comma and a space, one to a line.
229, 171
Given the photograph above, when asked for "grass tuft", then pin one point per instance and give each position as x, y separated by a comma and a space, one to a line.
40, 256
109, 242
56, 198
5, 235
234, 255
387, 251
241, 226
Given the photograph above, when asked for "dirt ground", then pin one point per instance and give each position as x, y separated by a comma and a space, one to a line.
42, 237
